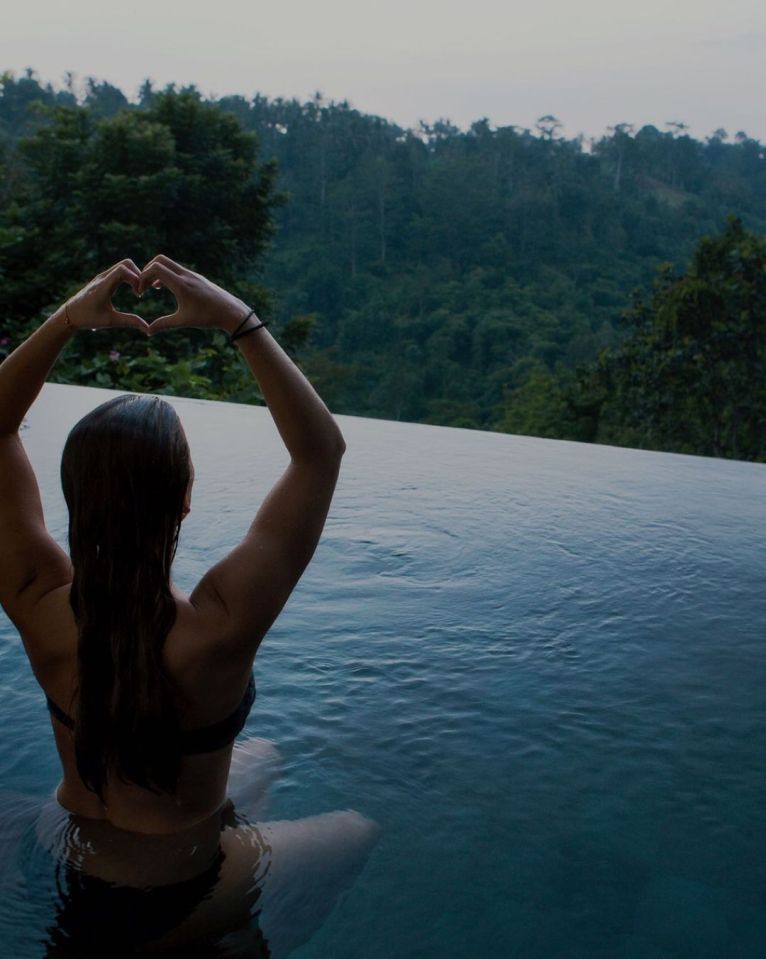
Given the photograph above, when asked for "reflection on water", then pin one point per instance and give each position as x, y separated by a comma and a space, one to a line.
538, 665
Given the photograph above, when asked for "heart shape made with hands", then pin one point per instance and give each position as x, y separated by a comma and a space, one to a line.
93, 307
199, 302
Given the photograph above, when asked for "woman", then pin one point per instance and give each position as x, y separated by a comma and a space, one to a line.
147, 687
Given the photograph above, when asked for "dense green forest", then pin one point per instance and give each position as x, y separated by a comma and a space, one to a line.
495, 278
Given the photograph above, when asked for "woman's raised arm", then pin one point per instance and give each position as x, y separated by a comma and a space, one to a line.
31, 563
248, 588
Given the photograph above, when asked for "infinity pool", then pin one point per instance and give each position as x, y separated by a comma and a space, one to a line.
539, 665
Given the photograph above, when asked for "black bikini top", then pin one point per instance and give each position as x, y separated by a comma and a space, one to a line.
206, 739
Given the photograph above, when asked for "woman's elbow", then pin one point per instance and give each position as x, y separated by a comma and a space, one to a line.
326, 449
337, 441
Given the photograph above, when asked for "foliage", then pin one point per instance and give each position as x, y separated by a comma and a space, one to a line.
540, 407
433, 274
180, 176
455, 275
691, 374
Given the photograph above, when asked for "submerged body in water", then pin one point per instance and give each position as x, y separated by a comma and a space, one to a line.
235, 885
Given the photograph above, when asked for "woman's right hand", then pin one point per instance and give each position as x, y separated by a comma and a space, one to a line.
201, 304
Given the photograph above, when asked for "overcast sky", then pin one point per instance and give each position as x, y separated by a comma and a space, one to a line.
592, 63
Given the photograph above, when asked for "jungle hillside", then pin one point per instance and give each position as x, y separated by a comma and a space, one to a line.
607, 290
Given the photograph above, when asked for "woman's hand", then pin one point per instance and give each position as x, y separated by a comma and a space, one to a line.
201, 303
92, 307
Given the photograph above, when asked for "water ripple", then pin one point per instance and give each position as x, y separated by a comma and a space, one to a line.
539, 665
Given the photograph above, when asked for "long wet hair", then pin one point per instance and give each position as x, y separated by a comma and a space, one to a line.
125, 471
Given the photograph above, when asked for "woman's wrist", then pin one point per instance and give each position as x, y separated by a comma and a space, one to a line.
235, 318
246, 321
61, 320
248, 328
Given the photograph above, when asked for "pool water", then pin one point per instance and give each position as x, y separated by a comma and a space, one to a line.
539, 665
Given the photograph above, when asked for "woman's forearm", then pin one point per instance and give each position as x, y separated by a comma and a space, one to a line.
23, 373
306, 426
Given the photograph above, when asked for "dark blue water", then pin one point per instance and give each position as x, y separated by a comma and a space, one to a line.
539, 665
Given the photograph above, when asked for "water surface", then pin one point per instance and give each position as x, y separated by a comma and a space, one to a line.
539, 665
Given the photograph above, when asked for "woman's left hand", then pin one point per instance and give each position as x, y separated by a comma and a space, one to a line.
92, 307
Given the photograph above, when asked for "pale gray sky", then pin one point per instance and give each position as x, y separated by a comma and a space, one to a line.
593, 63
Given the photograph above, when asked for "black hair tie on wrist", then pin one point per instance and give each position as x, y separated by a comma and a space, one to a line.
237, 334
251, 330
232, 335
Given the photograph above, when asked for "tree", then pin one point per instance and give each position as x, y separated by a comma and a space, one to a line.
179, 177
103, 99
548, 126
21, 99
621, 139
677, 127
538, 407
691, 374
453, 274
